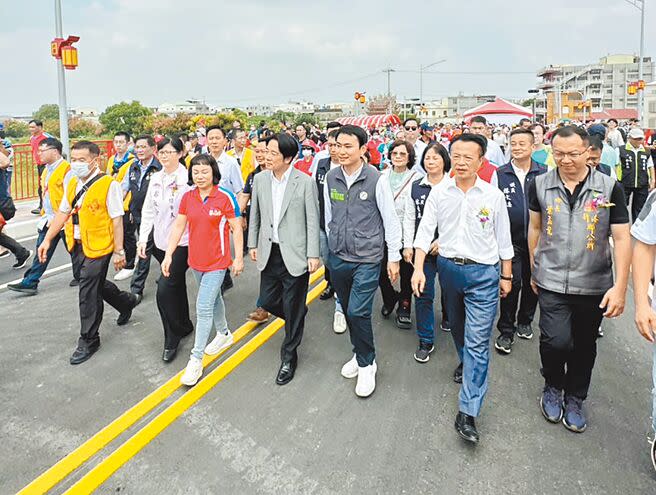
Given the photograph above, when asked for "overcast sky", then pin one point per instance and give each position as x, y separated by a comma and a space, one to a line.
246, 51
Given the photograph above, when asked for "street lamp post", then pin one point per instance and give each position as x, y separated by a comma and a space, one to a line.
533, 92
61, 82
640, 5
422, 68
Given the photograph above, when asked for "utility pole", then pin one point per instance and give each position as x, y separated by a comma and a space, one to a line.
61, 82
641, 91
389, 70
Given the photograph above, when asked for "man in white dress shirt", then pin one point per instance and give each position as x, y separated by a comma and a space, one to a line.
493, 151
475, 250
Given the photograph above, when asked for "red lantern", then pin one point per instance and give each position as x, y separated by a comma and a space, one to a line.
632, 88
641, 84
357, 95
63, 49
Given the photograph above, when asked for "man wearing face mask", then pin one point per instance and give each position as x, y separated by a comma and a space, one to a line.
91, 212
136, 183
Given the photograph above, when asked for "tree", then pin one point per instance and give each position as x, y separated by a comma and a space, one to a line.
82, 128
16, 129
306, 118
124, 116
167, 126
48, 111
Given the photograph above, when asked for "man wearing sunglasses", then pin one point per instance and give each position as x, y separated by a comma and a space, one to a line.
412, 132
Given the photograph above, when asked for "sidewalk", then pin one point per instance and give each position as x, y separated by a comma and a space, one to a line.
24, 223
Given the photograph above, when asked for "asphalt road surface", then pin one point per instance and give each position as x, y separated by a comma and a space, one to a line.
248, 435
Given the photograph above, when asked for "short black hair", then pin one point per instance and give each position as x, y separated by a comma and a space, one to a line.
92, 148
480, 119
353, 130
177, 145
52, 142
205, 159
596, 142
440, 150
215, 128
409, 148
287, 145
614, 120
569, 131
544, 129
146, 137
410, 119
333, 125
469, 137
182, 136
521, 130
333, 133
524, 119
36, 122
123, 134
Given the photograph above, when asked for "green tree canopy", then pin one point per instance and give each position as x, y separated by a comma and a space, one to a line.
125, 116
47, 111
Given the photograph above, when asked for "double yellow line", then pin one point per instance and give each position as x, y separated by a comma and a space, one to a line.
100, 473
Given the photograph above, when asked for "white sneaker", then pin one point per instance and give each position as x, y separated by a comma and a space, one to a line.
123, 274
220, 342
192, 373
350, 369
366, 380
339, 322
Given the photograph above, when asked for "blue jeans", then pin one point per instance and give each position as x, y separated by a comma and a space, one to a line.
209, 309
471, 294
356, 284
323, 249
35, 272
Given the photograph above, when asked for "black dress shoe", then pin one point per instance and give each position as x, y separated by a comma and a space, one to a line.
74, 283
286, 372
457, 374
466, 427
139, 298
84, 352
327, 293
387, 310
169, 354
124, 317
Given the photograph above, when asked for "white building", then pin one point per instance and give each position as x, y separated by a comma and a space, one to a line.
650, 105
191, 107
604, 83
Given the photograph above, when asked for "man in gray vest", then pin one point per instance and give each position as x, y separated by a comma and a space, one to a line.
574, 209
360, 219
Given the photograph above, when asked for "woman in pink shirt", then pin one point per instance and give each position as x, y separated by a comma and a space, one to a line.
157, 217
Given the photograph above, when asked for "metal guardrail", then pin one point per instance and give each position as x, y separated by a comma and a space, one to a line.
25, 179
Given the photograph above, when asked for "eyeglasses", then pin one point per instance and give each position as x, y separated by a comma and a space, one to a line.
411, 128
573, 155
166, 152
43, 150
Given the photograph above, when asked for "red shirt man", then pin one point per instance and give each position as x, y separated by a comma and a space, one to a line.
37, 135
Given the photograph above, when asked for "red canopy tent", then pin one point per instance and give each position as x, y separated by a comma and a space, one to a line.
499, 111
369, 121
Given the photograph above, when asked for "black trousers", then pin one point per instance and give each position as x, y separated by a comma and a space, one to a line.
283, 295
639, 199
129, 241
94, 289
142, 265
521, 294
40, 169
172, 301
16, 248
568, 340
390, 295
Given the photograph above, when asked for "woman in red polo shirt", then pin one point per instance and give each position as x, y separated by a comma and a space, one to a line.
210, 212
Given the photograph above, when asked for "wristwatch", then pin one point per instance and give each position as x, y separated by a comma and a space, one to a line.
120, 253
503, 277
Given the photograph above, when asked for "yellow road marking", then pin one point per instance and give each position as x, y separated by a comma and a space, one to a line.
93, 445
100, 473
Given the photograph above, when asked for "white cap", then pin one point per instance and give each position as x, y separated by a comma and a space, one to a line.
636, 133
